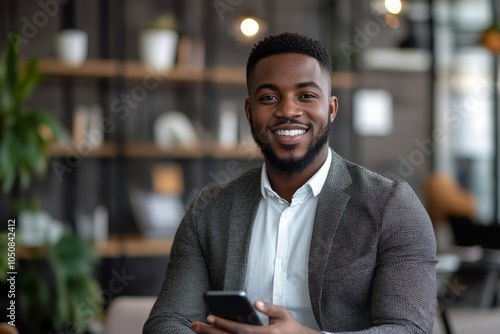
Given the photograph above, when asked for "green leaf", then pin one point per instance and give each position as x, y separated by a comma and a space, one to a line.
29, 78
23, 150
4, 243
72, 261
11, 64
41, 117
8, 162
85, 301
34, 292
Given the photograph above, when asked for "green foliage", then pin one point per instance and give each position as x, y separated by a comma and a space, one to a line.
23, 149
4, 264
76, 297
78, 294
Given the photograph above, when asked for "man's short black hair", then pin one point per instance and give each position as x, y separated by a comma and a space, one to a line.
288, 42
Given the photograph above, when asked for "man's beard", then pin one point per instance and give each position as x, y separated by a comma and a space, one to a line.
292, 165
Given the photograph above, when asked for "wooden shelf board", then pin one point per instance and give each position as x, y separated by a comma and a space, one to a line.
134, 246
107, 149
136, 70
92, 68
151, 150
344, 80
226, 75
247, 151
111, 68
129, 246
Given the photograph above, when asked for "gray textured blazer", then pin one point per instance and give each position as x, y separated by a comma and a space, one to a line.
371, 264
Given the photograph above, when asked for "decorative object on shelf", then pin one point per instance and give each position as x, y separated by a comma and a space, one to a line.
168, 178
158, 42
174, 128
191, 53
72, 46
93, 227
25, 133
490, 38
157, 214
228, 124
88, 127
37, 228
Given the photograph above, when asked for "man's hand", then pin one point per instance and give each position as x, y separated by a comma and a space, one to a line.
280, 322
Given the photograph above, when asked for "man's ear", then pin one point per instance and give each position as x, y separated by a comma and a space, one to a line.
247, 108
333, 107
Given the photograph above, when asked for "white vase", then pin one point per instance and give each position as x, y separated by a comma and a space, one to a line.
158, 48
72, 46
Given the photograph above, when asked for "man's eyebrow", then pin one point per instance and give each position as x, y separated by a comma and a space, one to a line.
298, 86
308, 84
266, 86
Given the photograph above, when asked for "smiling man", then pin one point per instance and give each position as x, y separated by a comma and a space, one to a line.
318, 243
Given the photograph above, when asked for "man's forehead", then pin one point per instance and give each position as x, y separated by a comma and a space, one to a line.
290, 66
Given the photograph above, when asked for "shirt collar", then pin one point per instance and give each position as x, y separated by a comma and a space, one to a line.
315, 183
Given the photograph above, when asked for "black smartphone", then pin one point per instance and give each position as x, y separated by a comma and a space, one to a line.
232, 305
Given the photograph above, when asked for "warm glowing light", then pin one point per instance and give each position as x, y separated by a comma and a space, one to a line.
249, 27
392, 21
393, 6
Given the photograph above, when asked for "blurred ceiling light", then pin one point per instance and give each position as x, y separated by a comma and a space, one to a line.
393, 6
249, 27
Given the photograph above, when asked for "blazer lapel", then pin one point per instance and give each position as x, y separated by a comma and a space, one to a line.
331, 204
240, 231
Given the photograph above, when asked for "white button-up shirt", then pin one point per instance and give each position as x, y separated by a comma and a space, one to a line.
277, 268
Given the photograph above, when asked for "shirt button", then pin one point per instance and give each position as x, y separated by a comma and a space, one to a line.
281, 264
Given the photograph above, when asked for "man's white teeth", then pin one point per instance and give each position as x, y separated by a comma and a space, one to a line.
290, 132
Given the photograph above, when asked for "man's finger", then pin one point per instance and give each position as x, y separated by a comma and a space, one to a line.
271, 310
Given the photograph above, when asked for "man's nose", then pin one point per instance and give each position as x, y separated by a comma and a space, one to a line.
288, 108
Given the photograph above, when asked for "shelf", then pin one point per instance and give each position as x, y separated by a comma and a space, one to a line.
226, 75
151, 150
245, 150
105, 150
147, 150
135, 70
134, 246
130, 246
346, 80
92, 68
129, 70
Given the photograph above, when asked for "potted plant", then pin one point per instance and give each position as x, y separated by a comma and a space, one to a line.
25, 133
66, 299
70, 294
158, 42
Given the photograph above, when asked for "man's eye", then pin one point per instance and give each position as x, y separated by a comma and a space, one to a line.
307, 96
268, 98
